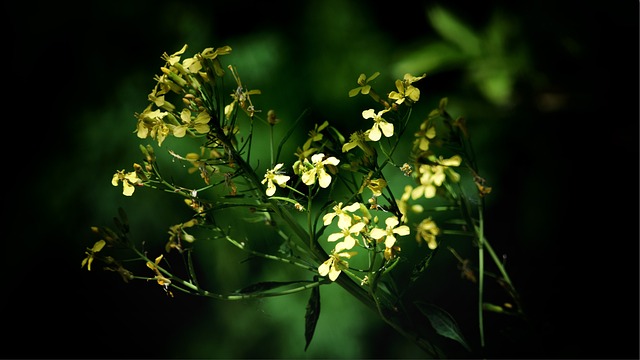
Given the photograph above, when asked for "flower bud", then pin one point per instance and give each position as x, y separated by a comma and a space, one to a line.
172, 119
271, 117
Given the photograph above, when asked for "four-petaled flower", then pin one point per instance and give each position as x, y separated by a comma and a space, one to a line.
432, 176
364, 87
200, 123
335, 264
92, 252
177, 234
390, 232
128, 181
161, 279
358, 139
344, 219
273, 176
424, 136
151, 123
427, 231
348, 233
406, 90
379, 124
316, 170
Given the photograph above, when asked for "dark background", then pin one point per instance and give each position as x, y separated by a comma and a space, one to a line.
564, 170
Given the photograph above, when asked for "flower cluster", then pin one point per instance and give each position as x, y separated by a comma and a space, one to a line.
361, 194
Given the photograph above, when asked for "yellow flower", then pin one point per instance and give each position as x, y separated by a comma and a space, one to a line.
210, 53
390, 232
273, 176
158, 99
177, 234
358, 139
364, 87
241, 96
128, 181
379, 124
406, 90
92, 252
403, 205
148, 120
424, 136
348, 233
427, 231
302, 162
315, 135
175, 57
344, 219
199, 123
376, 186
334, 265
432, 176
162, 281
317, 170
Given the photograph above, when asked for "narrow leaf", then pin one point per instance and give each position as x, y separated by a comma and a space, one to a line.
312, 315
420, 267
442, 322
453, 29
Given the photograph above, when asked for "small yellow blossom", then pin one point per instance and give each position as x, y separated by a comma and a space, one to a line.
427, 231
344, 219
335, 264
151, 123
159, 100
273, 176
175, 57
92, 252
241, 96
432, 176
406, 90
315, 135
317, 170
424, 136
128, 181
379, 124
391, 230
177, 234
199, 124
364, 87
148, 120
406, 169
376, 186
302, 162
348, 233
162, 281
210, 53
359, 139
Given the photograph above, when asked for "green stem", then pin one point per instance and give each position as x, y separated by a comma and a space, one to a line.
268, 256
498, 263
481, 244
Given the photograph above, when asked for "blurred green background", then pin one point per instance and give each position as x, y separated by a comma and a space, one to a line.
549, 92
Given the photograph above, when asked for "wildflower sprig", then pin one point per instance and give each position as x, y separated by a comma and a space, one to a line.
345, 209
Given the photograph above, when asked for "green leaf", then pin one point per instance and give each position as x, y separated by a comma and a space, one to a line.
312, 315
420, 267
430, 58
442, 322
454, 30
